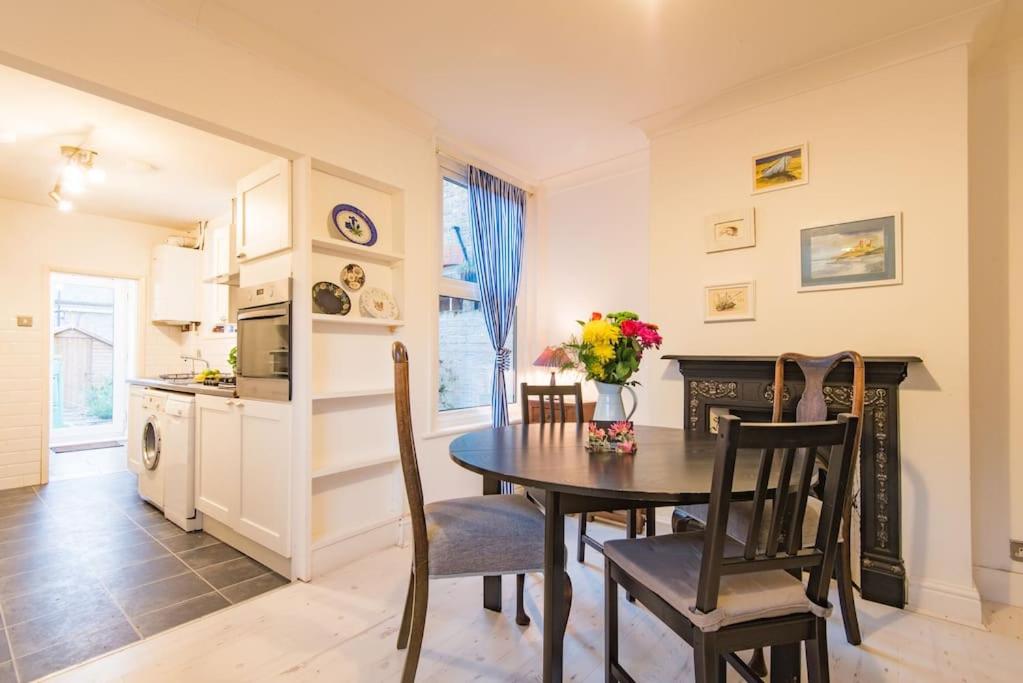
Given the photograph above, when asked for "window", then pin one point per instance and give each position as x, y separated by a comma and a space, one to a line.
466, 357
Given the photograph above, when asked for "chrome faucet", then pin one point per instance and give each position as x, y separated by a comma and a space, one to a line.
196, 357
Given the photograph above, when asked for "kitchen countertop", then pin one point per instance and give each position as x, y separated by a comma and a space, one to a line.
189, 388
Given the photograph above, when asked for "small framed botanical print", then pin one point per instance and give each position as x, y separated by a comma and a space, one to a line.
726, 303
781, 168
859, 253
730, 230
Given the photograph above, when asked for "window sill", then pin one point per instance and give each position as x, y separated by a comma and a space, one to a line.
440, 431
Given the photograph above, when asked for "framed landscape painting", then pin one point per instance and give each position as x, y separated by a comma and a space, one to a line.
781, 168
860, 253
730, 230
725, 303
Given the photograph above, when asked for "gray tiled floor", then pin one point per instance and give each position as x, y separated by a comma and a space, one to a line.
86, 567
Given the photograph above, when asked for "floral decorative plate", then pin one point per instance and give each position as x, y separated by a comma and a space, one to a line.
331, 299
353, 277
354, 225
376, 303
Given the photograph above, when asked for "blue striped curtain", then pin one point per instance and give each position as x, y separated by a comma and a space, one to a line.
497, 211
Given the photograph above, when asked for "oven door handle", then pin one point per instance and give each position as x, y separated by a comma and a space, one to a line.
268, 312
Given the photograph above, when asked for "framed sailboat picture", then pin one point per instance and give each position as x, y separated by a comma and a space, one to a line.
859, 253
781, 168
725, 303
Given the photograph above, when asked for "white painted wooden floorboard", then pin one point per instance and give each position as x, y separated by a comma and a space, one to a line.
343, 628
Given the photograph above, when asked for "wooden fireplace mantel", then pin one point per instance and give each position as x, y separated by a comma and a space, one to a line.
744, 386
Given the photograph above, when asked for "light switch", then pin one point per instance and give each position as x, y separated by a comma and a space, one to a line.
24, 321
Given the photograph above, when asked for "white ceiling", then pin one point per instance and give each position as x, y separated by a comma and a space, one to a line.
553, 85
158, 171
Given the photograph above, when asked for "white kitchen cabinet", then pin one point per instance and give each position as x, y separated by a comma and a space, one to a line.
217, 457
263, 211
175, 273
264, 513
243, 467
217, 251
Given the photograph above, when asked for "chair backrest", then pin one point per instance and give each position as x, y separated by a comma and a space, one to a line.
409, 462
795, 441
552, 396
812, 406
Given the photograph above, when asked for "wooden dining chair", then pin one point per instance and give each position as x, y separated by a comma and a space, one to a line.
488, 535
552, 409
723, 595
810, 408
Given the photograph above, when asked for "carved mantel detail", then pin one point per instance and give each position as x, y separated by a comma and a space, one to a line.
707, 389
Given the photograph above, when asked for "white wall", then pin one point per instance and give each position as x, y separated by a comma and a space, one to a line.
996, 320
594, 253
893, 139
33, 239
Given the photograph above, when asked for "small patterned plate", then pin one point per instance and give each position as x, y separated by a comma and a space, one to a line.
353, 277
331, 299
376, 303
354, 225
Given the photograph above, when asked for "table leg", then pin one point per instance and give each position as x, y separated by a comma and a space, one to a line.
492, 584
554, 588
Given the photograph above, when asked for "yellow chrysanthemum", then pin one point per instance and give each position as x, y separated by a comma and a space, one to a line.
596, 369
598, 332
603, 352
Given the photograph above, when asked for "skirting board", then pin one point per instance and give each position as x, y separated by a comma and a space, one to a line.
279, 563
355, 546
959, 604
999, 585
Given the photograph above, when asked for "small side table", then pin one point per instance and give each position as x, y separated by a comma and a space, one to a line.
588, 406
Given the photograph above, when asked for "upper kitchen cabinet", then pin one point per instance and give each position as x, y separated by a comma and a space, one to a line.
219, 264
263, 211
175, 272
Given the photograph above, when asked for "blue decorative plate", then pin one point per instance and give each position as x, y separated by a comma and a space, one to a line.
354, 225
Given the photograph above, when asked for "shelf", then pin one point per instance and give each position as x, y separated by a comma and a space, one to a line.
352, 393
389, 459
331, 539
357, 251
349, 320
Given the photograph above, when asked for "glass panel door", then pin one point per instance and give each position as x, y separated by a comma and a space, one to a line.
93, 326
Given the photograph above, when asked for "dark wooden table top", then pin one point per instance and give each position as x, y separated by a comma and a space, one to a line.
670, 465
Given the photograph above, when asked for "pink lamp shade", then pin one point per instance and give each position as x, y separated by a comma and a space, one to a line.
553, 357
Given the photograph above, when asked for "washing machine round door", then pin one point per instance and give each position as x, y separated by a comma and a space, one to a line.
151, 443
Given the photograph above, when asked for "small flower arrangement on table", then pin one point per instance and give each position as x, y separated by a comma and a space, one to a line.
617, 437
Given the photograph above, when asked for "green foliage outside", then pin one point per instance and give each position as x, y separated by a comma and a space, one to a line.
100, 401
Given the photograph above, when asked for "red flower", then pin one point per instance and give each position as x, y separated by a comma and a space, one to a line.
595, 316
630, 328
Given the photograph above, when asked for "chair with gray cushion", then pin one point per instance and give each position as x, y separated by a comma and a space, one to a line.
488, 535
722, 595
810, 408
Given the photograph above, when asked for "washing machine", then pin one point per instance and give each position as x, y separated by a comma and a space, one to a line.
167, 456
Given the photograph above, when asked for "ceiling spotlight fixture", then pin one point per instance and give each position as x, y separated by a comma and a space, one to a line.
61, 203
79, 167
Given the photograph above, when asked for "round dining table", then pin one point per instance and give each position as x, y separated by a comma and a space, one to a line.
670, 467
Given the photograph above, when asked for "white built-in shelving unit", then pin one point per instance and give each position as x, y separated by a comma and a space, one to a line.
353, 474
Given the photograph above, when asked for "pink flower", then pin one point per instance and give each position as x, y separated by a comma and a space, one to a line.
627, 447
649, 337
620, 428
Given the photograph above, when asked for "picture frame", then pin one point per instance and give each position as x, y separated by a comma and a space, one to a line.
729, 302
781, 168
863, 252
730, 230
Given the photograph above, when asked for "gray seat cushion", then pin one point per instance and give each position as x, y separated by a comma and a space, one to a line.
740, 514
484, 536
670, 567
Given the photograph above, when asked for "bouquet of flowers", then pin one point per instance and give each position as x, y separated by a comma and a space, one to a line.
610, 347
618, 437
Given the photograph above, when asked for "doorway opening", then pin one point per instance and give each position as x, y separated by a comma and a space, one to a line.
93, 351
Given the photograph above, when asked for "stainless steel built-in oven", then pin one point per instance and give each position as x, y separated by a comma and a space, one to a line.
264, 341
